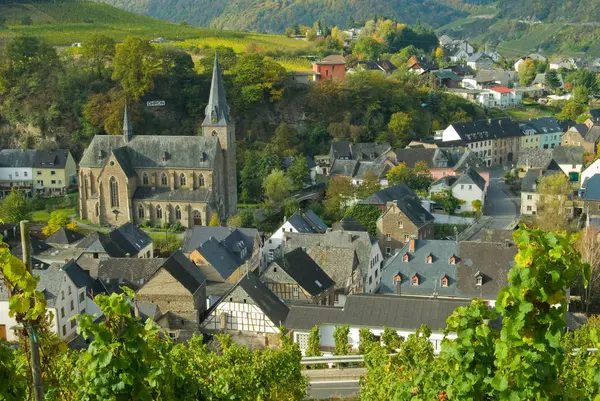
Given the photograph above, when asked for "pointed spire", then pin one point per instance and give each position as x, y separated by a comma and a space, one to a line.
127, 126
217, 110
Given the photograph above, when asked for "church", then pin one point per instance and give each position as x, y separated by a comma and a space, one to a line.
163, 179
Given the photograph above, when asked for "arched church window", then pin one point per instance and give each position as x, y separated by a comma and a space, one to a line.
163, 179
182, 180
145, 178
141, 211
114, 192
177, 213
159, 212
201, 180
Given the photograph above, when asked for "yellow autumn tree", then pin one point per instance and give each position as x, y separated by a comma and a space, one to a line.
57, 220
214, 221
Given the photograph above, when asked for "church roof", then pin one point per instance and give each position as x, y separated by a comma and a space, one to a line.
217, 109
153, 151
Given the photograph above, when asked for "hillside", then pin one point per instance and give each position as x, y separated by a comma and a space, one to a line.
275, 16
64, 23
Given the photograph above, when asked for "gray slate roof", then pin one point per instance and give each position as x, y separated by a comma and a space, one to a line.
358, 151
17, 158
49, 284
130, 270
593, 135
303, 269
568, 154
98, 242
406, 200
184, 271
64, 236
194, 237
130, 238
376, 311
534, 157
470, 176
429, 274
592, 188
545, 125
307, 222
51, 158
176, 195
148, 151
82, 279
481, 130
264, 298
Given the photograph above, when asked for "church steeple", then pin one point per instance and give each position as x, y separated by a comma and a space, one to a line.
217, 110
127, 126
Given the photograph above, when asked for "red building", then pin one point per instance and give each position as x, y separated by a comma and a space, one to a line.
330, 67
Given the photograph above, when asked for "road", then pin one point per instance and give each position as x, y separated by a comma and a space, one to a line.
500, 204
325, 390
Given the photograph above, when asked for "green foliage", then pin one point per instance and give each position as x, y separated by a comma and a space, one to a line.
13, 385
367, 48
314, 343
277, 187
366, 215
214, 220
339, 193
98, 52
299, 173
58, 219
340, 338
367, 340
477, 205
553, 190
14, 208
418, 179
447, 201
135, 65
552, 80
290, 206
571, 110
369, 185
391, 340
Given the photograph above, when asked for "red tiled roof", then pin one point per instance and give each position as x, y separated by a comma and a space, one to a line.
502, 89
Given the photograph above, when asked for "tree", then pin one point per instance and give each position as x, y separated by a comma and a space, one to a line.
571, 110
369, 185
14, 208
367, 48
57, 220
367, 215
552, 81
214, 220
135, 65
477, 204
245, 218
314, 343
340, 338
339, 193
367, 340
391, 339
277, 187
98, 52
581, 95
400, 174
400, 128
290, 206
285, 140
447, 201
589, 247
422, 177
554, 191
299, 172
527, 72
227, 58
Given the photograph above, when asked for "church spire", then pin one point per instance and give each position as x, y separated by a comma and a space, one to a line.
127, 127
217, 110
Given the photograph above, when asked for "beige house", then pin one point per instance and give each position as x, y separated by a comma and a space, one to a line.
163, 179
54, 171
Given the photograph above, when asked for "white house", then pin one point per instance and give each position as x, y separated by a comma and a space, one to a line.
570, 161
299, 222
69, 291
249, 307
480, 61
468, 187
16, 170
404, 314
589, 172
505, 97
566, 63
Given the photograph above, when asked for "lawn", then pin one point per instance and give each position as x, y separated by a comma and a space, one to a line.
43, 215
62, 24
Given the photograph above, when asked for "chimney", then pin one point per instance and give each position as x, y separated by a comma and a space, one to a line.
411, 245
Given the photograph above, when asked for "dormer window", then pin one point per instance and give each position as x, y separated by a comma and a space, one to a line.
414, 281
406, 257
444, 281
397, 279
478, 279
165, 156
452, 260
429, 259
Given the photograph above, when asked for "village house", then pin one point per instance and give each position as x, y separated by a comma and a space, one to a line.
250, 309
295, 277
382, 66
480, 61
124, 241
178, 287
330, 67
299, 222
575, 136
420, 65
590, 171
115, 273
570, 160
160, 178
403, 314
55, 171
16, 171
449, 269
594, 118
560, 63
529, 195
540, 81
68, 290
356, 161
468, 187
64, 238
351, 258
544, 132
591, 196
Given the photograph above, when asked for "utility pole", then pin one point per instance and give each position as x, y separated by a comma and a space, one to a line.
36, 372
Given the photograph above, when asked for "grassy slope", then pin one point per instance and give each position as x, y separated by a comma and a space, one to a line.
66, 23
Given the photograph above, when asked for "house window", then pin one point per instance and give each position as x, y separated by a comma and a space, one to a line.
388, 237
462, 186
401, 224
141, 212
52, 172
81, 296
145, 178
201, 180
529, 208
414, 281
53, 182
397, 279
69, 290
83, 311
177, 212
114, 192
376, 273
405, 257
405, 237
470, 187
25, 173
271, 252
62, 312
16, 173
163, 179
444, 282
159, 213
39, 172
73, 323
479, 280
62, 295
64, 330
429, 259
452, 260
97, 209
388, 251
529, 197
72, 305
295, 292
182, 180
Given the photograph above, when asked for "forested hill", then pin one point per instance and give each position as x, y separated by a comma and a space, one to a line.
551, 10
275, 16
